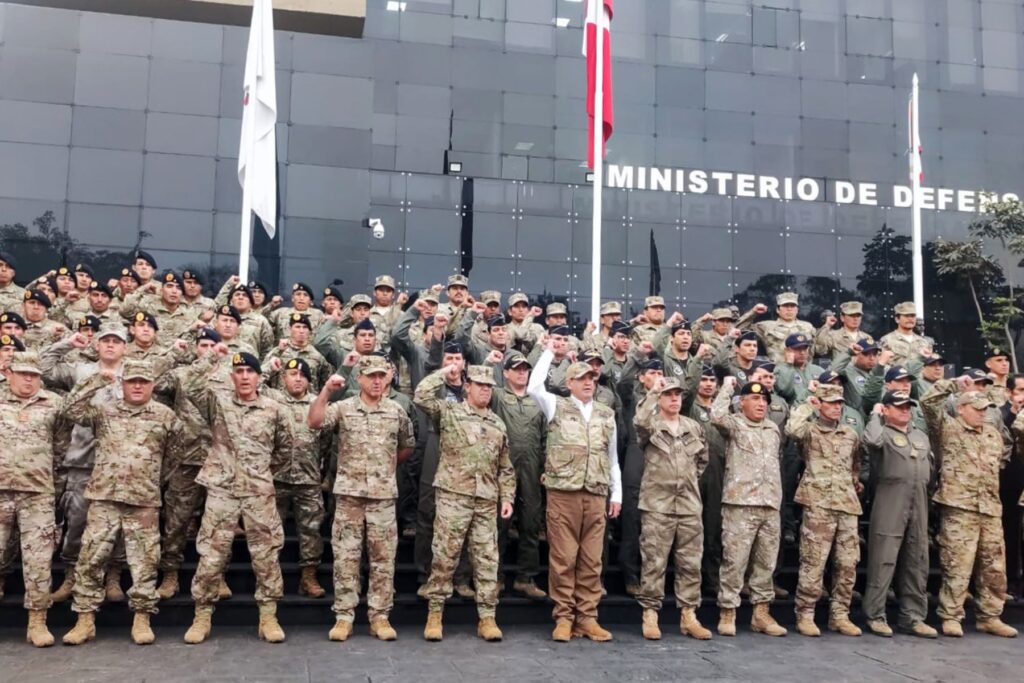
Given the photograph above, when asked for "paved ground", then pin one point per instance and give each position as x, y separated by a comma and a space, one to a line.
527, 654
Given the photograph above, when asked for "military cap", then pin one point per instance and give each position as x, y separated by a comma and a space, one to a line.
360, 300
255, 284
84, 268
138, 369
300, 319
671, 384
332, 290
428, 322
611, 308
231, 312
620, 327
244, 289
766, 365
209, 333
429, 295
897, 398
189, 274
561, 330
142, 317
38, 296
169, 277
653, 364
591, 355
444, 309
829, 393
13, 318
90, 321
722, 314
579, 369
934, 359
480, 374
851, 308
868, 345
905, 308
798, 341
996, 352
101, 287
64, 270
516, 359
300, 365
977, 375
787, 299
453, 347
303, 287
975, 399
829, 376
384, 281
458, 280
496, 321
25, 361
6, 257
653, 301
112, 330
709, 371
365, 324
490, 297
746, 336
518, 298
246, 360
8, 340
683, 324
130, 272
897, 372
145, 256
556, 308
755, 389
372, 364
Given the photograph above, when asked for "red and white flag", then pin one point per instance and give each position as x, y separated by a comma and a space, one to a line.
914, 134
598, 15
257, 150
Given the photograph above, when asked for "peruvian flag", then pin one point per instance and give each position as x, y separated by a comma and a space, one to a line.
599, 14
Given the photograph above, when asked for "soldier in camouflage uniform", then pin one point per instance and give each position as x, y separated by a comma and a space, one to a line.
297, 345
653, 317
192, 295
281, 319
828, 492
773, 333
523, 333
40, 331
335, 342
10, 294
28, 416
386, 308
475, 483
253, 329
247, 428
162, 299
676, 453
373, 433
134, 436
971, 453
830, 342
751, 500
903, 342
736, 358
722, 321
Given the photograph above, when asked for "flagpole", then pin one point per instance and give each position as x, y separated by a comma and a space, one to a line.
246, 239
598, 147
915, 150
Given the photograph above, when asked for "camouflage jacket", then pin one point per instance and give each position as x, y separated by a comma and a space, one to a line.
280, 319
43, 333
752, 470
577, 450
319, 368
903, 347
369, 439
11, 297
474, 457
256, 332
832, 462
29, 460
830, 342
303, 463
773, 333
674, 458
173, 324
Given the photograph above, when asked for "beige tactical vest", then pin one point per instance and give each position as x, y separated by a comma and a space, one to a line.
577, 451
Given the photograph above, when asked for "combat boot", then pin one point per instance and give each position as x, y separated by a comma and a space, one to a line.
308, 585
270, 630
562, 632
112, 586
382, 629
465, 591
223, 592
200, 628
632, 589
805, 625
880, 628
529, 589
433, 630
727, 622
762, 621
649, 627
996, 627
952, 628
488, 629
592, 630
690, 626
63, 591
38, 635
341, 631
168, 586
142, 634
921, 630
841, 624
84, 630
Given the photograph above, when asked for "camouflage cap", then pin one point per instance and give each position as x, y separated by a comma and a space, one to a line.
671, 384
579, 369
905, 308
15, 343
654, 301
372, 365
611, 308
25, 361
429, 295
829, 393
722, 314
479, 374
556, 308
592, 356
458, 280
112, 330
787, 299
518, 298
975, 399
138, 369
490, 297
360, 300
384, 281
851, 308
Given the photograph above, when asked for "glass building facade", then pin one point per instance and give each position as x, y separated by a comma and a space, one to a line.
118, 131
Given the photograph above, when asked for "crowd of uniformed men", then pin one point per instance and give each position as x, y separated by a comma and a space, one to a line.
137, 413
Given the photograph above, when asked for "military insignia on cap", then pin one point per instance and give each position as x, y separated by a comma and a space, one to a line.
237, 358
756, 388
5, 340
85, 321
226, 310
327, 291
28, 295
801, 338
169, 277
3, 318
292, 364
900, 440
63, 270
139, 317
296, 317
125, 272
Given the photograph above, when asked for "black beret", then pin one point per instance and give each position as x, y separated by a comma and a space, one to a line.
619, 327
97, 286
453, 347
244, 290
85, 268
746, 336
142, 317
7, 258
145, 256
246, 360
333, 290
170, 277
258, 285
562, 330
130, 272
64, 270
39, 296
300, 319
189, 274
14, 318
209, 333
683, 325
365, 324
755, 389
8, 340
90, 321
708, 371
302, 287
302, 366
230, 311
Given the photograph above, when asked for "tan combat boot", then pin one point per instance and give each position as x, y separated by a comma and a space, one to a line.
341, 631
382, 629
880, 628
592, 630
308, 585
805, 625
38, 635
168, 586
64, 591
727, 622
762, 621
921, 630
488, 629
529, 589
465, 591
562, 632
840, 623
223, 592
690, 626
200, 628
84, 630
433, 630
649, 626
142, 633
952, 628
996, 627
270, 630
112, 586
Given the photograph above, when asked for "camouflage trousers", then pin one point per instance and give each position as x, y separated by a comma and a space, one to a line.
659, 534
30, 516
140, 529
263, 535
76, 509
971, 543
750, 538
183, 498
9, 552
306, 502
464, 520
823, 532
356, 519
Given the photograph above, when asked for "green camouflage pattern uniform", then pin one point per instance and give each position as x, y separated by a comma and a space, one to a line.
124, 490
904, 347
173, 324
239, 483
27, 466
474, 478
11, 296
280, 320
320, 370
751, 499
670, 506
830, 506
365, 489
971, 535
773, 333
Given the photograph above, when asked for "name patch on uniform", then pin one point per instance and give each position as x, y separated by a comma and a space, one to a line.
900, 440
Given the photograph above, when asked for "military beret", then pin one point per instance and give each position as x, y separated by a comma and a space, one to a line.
300, 319
556, 308
977, 375
755, 389
142, 317
787, 299
829, 376
101, 287
384, 281
516, 359
620, 327
591, 356
722, 314
254, 284
975, 399
851, 308
145, 256
996, 352
746, 336
829, 393
453, 347
8, 340
302, 287
480, 374
13, 318
683, 324
798, 341
244, 289
85, 268
766, 365
458, 280
365, 324
332, 290
189, 274
130, 272
64, 270
25, 361
653, 364
37, 296
490, 297
360, 300
496, 321
138, 369
905, 308
611, 308
300, 365
896, 372
371, 364
708, 371
90, 321
210, 334
518, 298
169, 277
112, 330
579, 369
654, 301
897, 398
561, 330
6, 257
246, 360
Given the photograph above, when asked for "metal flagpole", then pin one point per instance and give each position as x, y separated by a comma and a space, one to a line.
598, 145
246, 239
916, 171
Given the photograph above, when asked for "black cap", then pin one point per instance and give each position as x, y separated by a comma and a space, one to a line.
829, 376
189, 274
142, 317
302, 366
708, 371
562, 330
798, 341
453, 347
335, 291
746, 336
755, 389
8, 258
244, 289
255, 284
145, 256
620, 327
209, 333
977, 375
766, 365
39, 296
303, 287
130, 272
496, 321
684, 324
84, 268
653, 364
247, 360
169, 277
300, 319
897, 372
90, 321
515, 360
8, 340
897, 398
97, 286
12, 317
934, 359
996, 352
230, 311
365, 324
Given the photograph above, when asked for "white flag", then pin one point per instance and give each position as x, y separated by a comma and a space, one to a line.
257, 151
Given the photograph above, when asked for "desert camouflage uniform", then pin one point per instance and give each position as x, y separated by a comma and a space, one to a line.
904, 347
280, 320
200, 305
11, 297
173, 324
256, 332
773, 333
43, 333
319, 369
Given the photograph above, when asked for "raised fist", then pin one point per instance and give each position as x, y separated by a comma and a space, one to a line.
536, 311
760, 309
403, 298
275, 364
495, 357
222, 349
334, 383
351, 358
79, 340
